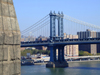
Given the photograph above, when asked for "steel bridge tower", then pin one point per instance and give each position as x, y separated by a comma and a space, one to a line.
53, 17
54, 62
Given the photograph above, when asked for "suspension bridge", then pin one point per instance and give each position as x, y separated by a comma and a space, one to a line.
53, 27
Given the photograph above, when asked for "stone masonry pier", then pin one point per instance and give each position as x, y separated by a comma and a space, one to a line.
9, 39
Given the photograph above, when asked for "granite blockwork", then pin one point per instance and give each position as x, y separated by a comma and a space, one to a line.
9, 39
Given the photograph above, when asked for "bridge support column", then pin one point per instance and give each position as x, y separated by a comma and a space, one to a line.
61, 54
52, 54
63, 59
54, 63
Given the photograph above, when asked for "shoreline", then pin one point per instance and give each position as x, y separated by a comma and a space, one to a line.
68, 62
83, 61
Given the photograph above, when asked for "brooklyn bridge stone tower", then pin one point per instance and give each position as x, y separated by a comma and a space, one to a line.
9, 39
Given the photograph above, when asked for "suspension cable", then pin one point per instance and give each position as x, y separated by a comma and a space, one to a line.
36, 29
79, 22
35, 24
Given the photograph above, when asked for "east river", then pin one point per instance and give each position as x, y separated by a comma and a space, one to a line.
75, 68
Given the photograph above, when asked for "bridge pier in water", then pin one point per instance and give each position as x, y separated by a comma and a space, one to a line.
54, 62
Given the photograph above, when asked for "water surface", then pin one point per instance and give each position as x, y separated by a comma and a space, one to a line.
75, 68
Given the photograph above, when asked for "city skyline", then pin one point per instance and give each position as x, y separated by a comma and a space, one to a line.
48, 42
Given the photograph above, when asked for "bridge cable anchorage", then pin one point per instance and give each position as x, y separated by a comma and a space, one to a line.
35, 23
79, 21
39, 27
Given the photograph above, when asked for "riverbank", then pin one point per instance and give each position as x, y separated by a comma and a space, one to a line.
68, 62
83, 61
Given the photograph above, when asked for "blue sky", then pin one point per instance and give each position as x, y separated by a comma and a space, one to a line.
30, 11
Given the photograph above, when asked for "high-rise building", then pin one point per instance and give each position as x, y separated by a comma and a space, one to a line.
71, 50
98, 45
91, 48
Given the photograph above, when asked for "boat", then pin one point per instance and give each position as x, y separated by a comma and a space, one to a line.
27, 61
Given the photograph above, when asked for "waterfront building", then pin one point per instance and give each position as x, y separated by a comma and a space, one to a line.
71, 50
98, 45
91, 48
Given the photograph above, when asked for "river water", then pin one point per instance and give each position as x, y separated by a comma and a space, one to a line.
75, 68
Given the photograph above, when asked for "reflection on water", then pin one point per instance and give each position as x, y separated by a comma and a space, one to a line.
80, 68
84, 68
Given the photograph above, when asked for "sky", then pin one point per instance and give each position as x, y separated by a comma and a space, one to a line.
30, 11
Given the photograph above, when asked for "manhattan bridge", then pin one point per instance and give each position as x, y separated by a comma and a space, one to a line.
53, 26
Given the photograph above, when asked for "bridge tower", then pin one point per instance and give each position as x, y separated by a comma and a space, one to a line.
54, 62
53, 17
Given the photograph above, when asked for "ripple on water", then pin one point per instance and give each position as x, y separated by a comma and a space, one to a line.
79, 68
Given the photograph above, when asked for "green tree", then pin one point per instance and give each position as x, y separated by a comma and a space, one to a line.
84, 53
35, 51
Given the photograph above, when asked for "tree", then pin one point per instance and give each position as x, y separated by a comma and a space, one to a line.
84, 53
35, 51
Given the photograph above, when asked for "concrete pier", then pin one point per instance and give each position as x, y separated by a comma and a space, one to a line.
57, 64
9, 39
54, 62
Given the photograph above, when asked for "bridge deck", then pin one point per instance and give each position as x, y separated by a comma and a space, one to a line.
61, 42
